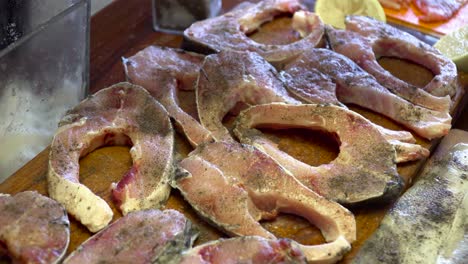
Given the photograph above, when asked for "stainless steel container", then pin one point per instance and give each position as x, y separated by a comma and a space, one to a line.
43, 72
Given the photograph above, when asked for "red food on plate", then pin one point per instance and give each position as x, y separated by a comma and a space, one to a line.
438, 10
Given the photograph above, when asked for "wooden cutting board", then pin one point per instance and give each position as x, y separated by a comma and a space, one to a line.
124, 28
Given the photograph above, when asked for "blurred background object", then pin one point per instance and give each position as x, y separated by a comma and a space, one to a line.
174, 16
44, 57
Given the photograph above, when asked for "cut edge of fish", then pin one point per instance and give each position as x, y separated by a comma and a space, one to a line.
171, 252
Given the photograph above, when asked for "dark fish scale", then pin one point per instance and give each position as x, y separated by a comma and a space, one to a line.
423, 226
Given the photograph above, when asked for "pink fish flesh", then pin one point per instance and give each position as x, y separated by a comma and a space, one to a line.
359, 174
385, 40
229, 31
247, 249
139, 237
355, 86
234, 186
313, 86
361, 50
163, 71
122, 114
232, 77
33, 228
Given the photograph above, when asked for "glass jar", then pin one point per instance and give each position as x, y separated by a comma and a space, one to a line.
43, 73
174, 16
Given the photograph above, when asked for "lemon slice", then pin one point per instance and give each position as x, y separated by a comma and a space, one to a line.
333, 12
455, 46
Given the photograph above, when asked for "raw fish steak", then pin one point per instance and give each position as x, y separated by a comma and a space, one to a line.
380, 39
122, 114
234, 186
247, 249
360, 49
139, 237
163, 71
229, 31
231, 77
356, 86
365, 168
314, 87
33, 228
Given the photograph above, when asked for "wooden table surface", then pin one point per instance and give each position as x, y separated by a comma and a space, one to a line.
122, 29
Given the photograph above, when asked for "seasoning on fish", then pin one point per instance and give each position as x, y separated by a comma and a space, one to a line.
163, 71
355, 86
229, 31
122, 114
366, 39
429, 223
310, 86
358, 49
247, 249
139, 237
232, 77
33, 228
315, 87
359, 174
234, 186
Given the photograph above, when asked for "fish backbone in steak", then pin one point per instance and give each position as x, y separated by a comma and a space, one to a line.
230, 30
365, 168
365, 40
315, 87
356, 86
123, 114
234, 186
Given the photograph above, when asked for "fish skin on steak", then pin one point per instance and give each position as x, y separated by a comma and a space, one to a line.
139, 237
246, 249
356, 86
123, 114
33, 228
365, 40
231, 77
162, 72
233, 186
314, 87
365, 168
429, 223
229, 31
